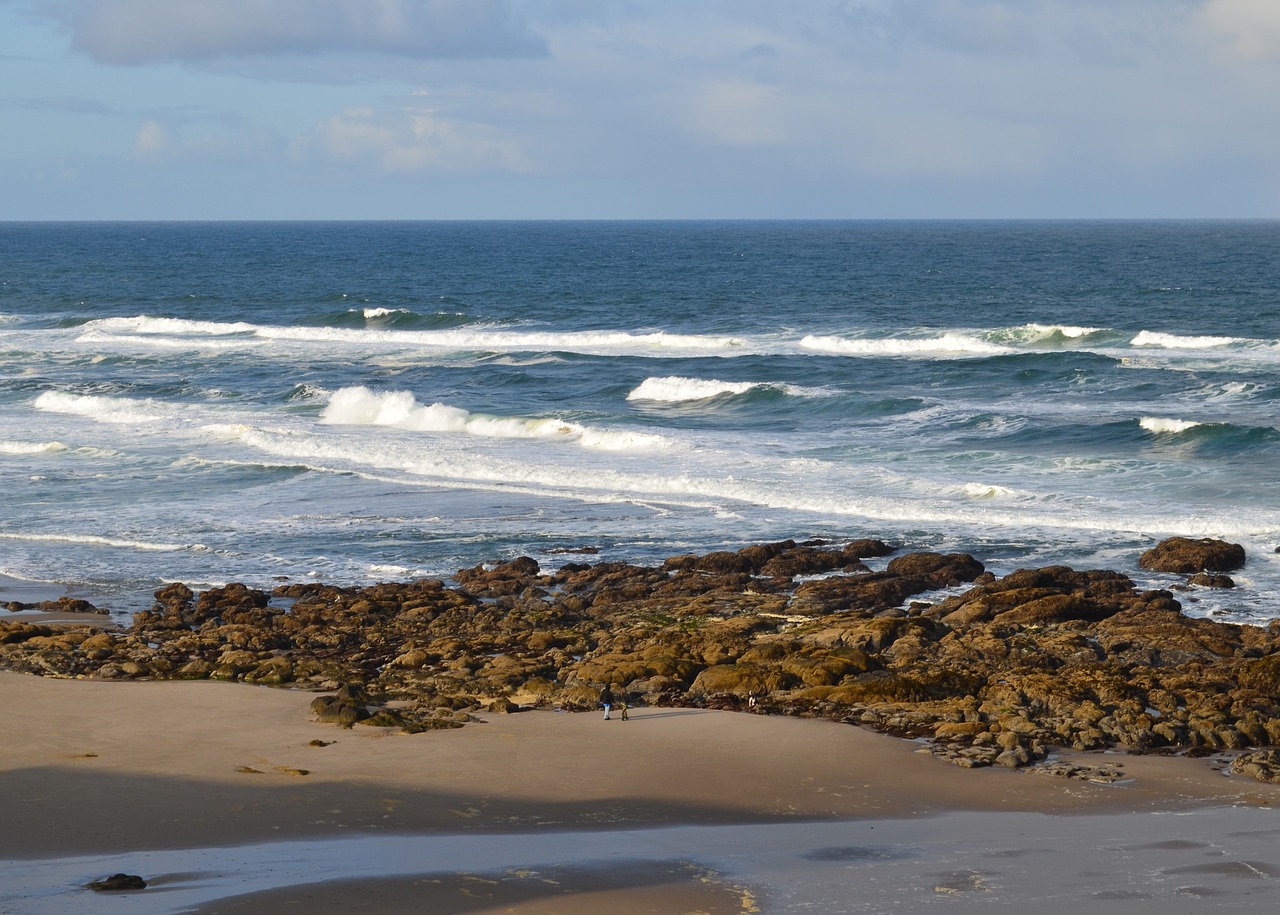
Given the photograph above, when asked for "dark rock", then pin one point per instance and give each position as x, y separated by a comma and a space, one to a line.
1187, 556
937, 569
67, 605
1210, 580
117, 883
991, 674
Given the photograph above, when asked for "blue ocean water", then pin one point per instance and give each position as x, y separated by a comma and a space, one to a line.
355, 402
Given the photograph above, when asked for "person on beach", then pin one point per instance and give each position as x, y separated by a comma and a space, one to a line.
606, 699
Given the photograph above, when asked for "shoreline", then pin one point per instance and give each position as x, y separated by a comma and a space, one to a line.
695, 807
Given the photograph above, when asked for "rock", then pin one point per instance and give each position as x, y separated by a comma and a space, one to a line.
1210, 580
1187, 556
1049, 656
336, 710
1263, 765
937, 569
67, 605
117, 883
740, 680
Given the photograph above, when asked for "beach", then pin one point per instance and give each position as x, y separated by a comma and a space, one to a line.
799, 491
230, 798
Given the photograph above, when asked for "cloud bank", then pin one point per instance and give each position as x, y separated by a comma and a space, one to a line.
135, 32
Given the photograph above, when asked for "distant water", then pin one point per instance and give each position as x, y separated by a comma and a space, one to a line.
355, 402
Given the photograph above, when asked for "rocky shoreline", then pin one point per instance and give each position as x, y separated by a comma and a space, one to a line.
997, 673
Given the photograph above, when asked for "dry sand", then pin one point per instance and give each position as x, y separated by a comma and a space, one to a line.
220, 796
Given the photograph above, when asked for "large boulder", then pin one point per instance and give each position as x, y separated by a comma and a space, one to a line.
939, 570
1186, 556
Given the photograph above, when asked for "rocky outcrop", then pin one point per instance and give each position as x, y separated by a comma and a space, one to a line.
995, 671
1186, 556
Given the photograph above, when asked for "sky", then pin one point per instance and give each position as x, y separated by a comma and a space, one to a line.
639, 109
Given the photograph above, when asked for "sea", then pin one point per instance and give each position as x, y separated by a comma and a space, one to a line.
355, 402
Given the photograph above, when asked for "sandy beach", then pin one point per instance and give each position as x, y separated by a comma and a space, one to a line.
230, 798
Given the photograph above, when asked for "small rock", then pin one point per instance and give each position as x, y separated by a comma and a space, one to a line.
117, 883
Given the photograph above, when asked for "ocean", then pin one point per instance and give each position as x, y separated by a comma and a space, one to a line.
356, 402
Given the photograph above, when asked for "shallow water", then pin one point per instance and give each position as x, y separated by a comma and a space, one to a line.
1141, 863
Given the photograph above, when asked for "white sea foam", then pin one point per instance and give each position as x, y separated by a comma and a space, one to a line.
1066, 330
371, 313
173, 342
1160, 426
363, 407
146, 324
94, 540
951, 344
175, 332
1176, 341
1032, 334
675, 389
990, 491
104, 409
7, 447
400, 409
621, 440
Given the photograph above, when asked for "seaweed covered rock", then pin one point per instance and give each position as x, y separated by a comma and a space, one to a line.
1187, 556
991, 673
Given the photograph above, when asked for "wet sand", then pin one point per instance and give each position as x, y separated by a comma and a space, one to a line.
230, 798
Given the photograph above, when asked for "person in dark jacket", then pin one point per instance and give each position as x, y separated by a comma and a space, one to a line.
606, 699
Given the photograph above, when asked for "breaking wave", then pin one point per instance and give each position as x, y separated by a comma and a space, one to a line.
359, 406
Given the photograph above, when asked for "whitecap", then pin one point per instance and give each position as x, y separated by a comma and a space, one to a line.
989, 491
7, 447
1161, 426
677, 389
950, 344
1031, 334
400, 409
605, 440
674, 389
1175, 341
146, 324
103, 409
362, 407
95, 540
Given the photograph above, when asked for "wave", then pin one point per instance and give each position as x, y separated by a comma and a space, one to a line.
94, 540
400, 329
1160, 426
1042, 335
1223, 438
156, 329
408, 319
306, 393
676, 389
1175, 341
952, 343
991, 491
360, 406
104, 409
185, 327
16, 448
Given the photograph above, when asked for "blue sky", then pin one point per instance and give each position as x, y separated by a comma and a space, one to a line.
484, 109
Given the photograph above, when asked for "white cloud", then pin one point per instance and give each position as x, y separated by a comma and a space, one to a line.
411, 139
134, 32
739, 113
152, 141
202, 138
1248, 29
